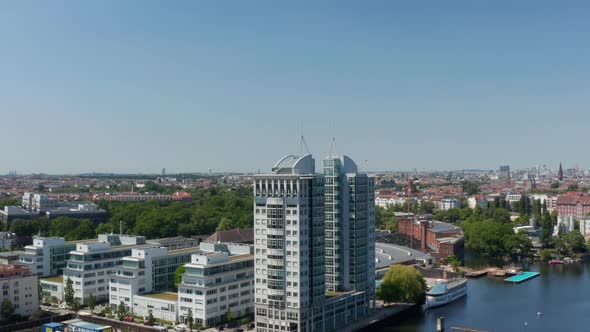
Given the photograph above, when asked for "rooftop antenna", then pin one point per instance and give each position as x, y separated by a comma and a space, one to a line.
333, 152
304, 145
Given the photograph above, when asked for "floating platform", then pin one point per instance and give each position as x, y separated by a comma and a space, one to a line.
524, 276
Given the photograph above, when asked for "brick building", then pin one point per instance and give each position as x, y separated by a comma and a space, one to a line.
576, 205
435, 237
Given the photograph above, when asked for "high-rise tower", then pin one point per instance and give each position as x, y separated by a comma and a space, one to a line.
289, 246
350, 227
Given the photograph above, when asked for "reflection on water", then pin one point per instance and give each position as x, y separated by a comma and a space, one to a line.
560, 293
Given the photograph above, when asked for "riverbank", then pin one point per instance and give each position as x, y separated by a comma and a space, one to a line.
384, 317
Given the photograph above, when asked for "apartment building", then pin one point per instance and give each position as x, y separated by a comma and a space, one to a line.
92, 264
47, 256
19, 286
289, 246
349, 204
146, 270
218, 279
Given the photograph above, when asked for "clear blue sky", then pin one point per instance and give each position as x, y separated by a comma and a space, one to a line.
134, 86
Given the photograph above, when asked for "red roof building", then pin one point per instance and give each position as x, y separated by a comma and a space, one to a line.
182, 196
573, 204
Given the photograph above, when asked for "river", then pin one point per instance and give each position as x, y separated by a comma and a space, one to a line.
561, 293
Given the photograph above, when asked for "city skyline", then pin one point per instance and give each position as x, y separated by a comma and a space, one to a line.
193, 86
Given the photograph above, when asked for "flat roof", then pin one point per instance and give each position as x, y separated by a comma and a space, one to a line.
387, 254
54, 279
11, 253
439, 226
185, 250
237, 257
169, 296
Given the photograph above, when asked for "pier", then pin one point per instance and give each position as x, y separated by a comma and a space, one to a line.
524, 276
490, 271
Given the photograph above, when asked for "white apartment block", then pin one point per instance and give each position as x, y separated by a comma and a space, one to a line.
313, 233
146, 270
289, 246
163, 305
512, 199
218, 280
20, 287
449, 203
388, 200
92, 264
585, 226
47, 255
477, 200
38, 202
52, 287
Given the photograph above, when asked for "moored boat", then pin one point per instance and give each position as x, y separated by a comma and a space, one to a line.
446, 291
556, 261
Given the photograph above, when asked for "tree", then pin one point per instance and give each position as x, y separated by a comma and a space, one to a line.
91, 302
402, 283
385, 218
427, 207
500, 215
573, 187
72, 229
39, 291
470, 188
76, 306
69, 292
452, 261
189, 319
228, 315
546, 237
554, 185
494, 239
545, 254
121, 311
151, 319
30, 227
7, 309
574, 241
180, 270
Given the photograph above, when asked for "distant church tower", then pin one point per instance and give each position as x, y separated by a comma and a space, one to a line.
560, 173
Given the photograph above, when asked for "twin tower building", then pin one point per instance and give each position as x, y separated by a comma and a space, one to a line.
314, 245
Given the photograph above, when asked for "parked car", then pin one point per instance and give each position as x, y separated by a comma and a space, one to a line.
238, 330
129, 319
180, 328
251, 326
101, 314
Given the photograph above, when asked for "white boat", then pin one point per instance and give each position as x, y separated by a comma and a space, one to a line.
446, 291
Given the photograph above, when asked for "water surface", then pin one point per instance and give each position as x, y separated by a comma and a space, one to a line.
561, 293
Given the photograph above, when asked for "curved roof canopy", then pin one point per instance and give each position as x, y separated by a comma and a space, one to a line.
295, 164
